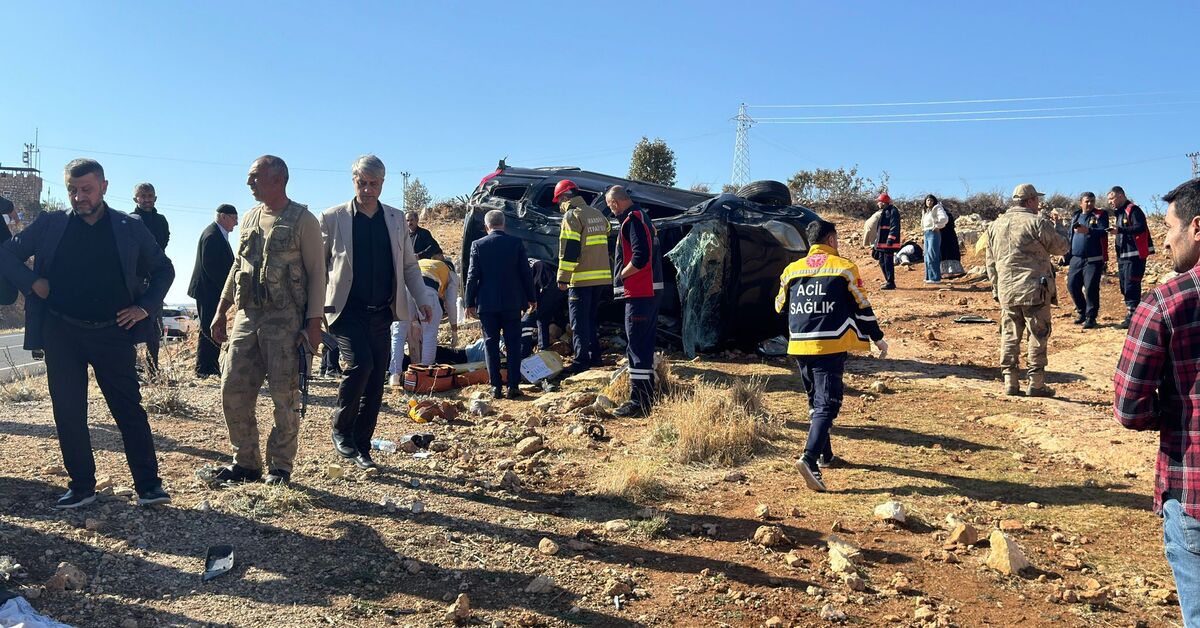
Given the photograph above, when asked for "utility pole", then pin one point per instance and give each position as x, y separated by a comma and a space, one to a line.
405, 175
1195, 157
741, 148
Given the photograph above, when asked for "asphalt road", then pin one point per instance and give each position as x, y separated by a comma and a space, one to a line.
14, 358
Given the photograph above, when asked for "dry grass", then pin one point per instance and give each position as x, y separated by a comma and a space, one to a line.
22, 387
163, 393
260, 501
714, 425
666, 384
635, 479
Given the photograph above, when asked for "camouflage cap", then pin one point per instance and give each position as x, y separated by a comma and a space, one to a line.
1025, 191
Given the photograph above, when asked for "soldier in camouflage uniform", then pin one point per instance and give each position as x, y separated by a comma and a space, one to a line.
278, 283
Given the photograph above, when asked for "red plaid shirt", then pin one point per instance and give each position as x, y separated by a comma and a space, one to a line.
1161, 358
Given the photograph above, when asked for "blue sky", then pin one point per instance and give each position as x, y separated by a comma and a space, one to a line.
186, 95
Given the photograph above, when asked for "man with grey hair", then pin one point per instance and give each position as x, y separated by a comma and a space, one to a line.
1020, 243
499, 289
144, 198
372, 272
278, 283
97, 275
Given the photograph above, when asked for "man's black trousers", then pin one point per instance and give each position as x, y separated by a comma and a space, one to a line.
111, 353
365, 343
208, 352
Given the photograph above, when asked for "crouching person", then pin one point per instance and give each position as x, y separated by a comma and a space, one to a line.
828, 316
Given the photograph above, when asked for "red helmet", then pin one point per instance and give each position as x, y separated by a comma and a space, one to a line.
884, 198
563, 186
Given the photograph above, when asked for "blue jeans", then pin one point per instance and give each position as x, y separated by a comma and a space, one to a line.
1181, 540
933, 255
821, 376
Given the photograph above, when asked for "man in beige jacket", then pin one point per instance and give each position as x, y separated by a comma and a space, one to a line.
372, 272
1020, 243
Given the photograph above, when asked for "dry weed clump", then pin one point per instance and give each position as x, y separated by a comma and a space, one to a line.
635, 479
714, 425
666, 384
163, 393
261, 501
22, 386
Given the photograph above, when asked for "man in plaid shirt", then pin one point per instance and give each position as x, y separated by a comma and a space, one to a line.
1155, 385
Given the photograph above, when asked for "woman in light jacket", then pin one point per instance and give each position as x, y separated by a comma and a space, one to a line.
932, 221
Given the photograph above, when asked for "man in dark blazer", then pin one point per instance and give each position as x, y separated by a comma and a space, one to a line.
144, 199
499, 289
214, 257
86, 304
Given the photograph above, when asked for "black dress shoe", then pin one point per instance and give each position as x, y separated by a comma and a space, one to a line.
497, 393
342, 446
1079, 320
75, 499
515, 393
363, 461
1089, 323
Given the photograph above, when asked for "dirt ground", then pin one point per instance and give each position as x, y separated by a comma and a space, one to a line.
927, 427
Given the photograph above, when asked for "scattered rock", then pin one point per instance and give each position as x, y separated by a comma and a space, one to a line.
67, 577
1011, 525
924, 613
1004, 555
579, 546
129, 622
854, 582
848, 549
840, 563
774, 622
617, 525
735, 476
615, 587
1070, 561
890, 511
417, 507
479, 407
93, 524
769, 536
528, 446
965, 534
460, 610
879, 387
762, 511
334, 471
31, 593
540, 584
547, 547
412, 567
793, 559
829, 613
509, 481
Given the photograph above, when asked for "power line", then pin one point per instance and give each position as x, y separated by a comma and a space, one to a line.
974, 112
993, 119
971, 101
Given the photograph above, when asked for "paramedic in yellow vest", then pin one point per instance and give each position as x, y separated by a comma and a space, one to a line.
583, 270
278, 283
442, 287
828, 316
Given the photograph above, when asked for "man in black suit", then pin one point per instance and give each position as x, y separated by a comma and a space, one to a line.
423, 242
499, 289
86, 304
214, 257
144, 198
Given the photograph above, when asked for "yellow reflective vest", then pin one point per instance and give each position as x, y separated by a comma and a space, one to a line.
583, 258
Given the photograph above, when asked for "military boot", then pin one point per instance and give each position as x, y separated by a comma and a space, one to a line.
1038, 387
1012, 387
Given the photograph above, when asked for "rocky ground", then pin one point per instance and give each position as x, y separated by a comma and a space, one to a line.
955, 506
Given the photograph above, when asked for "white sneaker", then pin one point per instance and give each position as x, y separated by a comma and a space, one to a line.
396, 380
